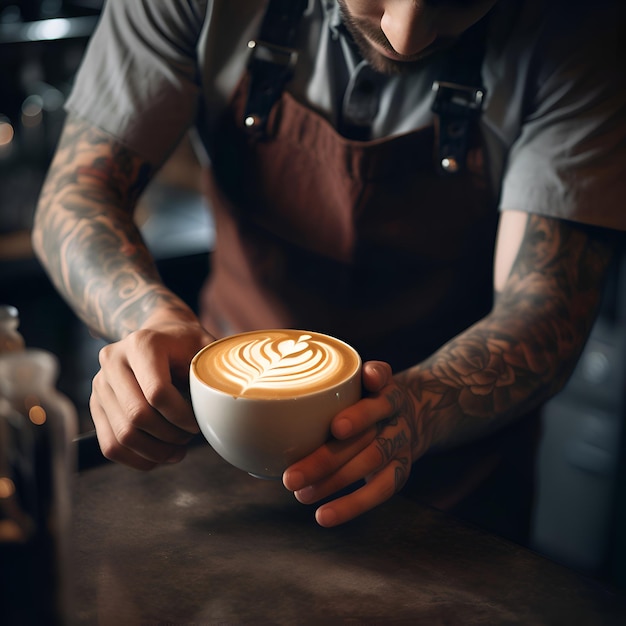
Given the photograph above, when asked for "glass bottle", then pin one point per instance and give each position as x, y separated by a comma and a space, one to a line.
37, 462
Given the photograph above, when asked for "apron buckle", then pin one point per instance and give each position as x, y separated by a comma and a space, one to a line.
455, 107
273, 53
271, 67
272, 61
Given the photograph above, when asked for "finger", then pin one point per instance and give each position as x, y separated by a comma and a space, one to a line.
152, 373
391, 443
362, 415
381, 486
365, 462
325, 461
376, 375
126, 407
121, 448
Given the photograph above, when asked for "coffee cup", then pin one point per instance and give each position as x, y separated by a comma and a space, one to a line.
265, 399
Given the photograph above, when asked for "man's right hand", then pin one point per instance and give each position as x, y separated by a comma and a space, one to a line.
140, 397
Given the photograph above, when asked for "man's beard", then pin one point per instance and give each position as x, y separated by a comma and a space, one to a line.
363, 34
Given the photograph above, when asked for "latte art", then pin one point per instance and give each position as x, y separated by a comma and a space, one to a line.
268, 363
276, 363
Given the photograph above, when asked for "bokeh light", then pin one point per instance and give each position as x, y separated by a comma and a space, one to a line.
37, 415
6, 132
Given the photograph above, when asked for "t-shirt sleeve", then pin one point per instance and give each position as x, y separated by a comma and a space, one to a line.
569, 158
139, 78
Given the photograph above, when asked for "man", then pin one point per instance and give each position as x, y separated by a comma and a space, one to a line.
364, 160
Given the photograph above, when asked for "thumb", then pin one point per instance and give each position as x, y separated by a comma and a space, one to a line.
376, 375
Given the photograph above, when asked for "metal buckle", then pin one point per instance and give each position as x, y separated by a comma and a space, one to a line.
272, 53
457, 99
456, 106
277, 63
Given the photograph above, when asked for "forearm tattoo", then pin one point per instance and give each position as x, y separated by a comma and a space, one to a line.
86, 237
526, 348
396, 447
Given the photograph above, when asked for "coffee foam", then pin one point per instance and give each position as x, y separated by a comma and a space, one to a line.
275, 363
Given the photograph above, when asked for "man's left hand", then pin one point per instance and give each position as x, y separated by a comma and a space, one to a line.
374, 441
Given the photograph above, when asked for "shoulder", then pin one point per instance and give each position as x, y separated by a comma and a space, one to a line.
143, 18
558, 94
539, 49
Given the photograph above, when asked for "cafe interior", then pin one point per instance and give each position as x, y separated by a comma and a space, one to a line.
579, 521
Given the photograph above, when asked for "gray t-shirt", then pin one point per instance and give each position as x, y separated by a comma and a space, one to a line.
554, 121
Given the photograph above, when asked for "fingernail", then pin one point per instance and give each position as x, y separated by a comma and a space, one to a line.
375, 368
305, 495
342, 428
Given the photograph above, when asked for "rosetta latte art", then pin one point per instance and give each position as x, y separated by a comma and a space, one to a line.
276, 363
270, 363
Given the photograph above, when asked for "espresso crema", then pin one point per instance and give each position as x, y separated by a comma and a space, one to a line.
275, 363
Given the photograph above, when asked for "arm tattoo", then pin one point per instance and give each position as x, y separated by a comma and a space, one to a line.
525, 349
85, 234
391, 448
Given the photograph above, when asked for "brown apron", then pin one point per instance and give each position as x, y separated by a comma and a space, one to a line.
361, 240
358, 239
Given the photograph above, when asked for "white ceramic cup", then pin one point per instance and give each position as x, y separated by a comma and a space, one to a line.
265, 399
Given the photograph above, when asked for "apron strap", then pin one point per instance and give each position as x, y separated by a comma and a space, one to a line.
459, 97
272, 61
459, 93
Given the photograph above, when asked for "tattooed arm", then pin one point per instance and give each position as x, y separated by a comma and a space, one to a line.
85, 237
549, 278
87, 240
525, 350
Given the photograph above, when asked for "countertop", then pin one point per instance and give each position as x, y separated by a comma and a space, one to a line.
203, 543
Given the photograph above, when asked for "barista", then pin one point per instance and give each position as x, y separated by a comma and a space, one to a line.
366, 162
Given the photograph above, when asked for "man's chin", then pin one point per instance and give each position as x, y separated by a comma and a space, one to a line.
385, 65
392, 67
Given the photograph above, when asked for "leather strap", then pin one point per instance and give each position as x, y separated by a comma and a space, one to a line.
272, 61
459, 92
459, 97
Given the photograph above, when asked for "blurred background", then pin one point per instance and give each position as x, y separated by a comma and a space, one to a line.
580, 519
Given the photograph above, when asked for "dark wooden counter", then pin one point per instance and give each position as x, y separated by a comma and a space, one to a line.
203, 543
